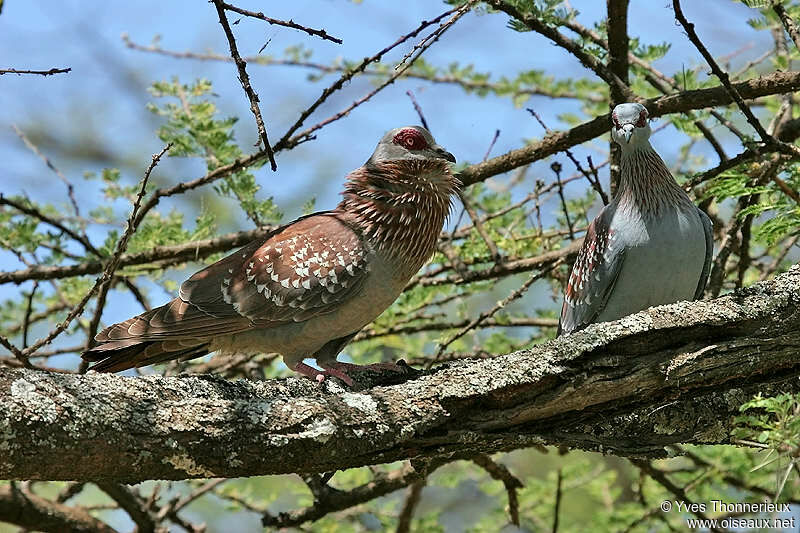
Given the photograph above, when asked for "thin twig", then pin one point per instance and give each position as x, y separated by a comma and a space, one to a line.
265, 61
680, 494
788, 191
177, 505
418, 109
19, 354
573, 47
508, 267
487, 314
494, 253
245, 81
130, 502
788, 23
512, 484
38, 317
286, 23
409, 506
491, 145
557, 505
721, 74
51, 166
112, 265
285, 141
39, 72
26, 321
383, 483
427, 325
592, 177
36, 213
161, 256
306, 134
556, 168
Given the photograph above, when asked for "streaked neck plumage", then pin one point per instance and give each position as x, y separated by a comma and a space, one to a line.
400, 206
646, 185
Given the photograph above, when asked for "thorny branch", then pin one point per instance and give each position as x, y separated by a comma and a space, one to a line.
32, 147
245, 80
574, 48
472, 85
287, 140
322, 34
39, 72
103, 281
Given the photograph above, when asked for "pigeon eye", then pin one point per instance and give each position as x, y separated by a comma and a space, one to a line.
615, 121
410, 139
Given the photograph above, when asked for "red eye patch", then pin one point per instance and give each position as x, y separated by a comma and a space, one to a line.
410, 139
642, 122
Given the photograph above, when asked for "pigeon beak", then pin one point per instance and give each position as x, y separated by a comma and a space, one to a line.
444, 154
627, 131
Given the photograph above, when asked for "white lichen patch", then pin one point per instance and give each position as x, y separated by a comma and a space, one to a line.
186, 464
36, 406
320, 430
259, 412
363, 402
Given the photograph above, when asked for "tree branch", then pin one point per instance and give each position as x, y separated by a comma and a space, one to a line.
788, 23
573, 47
672, 374
49, 72
33, 512
777, 83
244, 79
321, 33
618, 64
179, 253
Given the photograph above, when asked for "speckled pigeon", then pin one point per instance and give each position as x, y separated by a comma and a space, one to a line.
306, 288
649, 246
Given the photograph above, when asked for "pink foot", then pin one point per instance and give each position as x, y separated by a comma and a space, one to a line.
319, 375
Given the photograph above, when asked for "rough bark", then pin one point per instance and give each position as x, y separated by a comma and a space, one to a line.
672, 374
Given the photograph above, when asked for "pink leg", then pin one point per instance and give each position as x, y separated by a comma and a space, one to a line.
319, 376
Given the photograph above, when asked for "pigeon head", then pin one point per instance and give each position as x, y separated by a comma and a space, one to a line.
629, 125
409, 143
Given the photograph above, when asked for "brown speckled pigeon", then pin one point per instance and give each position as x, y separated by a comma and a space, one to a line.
306, 288
649, 246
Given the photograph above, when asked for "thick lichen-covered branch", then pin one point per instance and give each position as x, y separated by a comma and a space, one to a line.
668, 375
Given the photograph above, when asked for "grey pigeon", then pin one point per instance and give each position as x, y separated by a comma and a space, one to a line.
305, 289
649, 246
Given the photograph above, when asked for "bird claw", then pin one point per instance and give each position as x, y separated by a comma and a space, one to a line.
319, 375
400, 367
340, 370
339, 374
